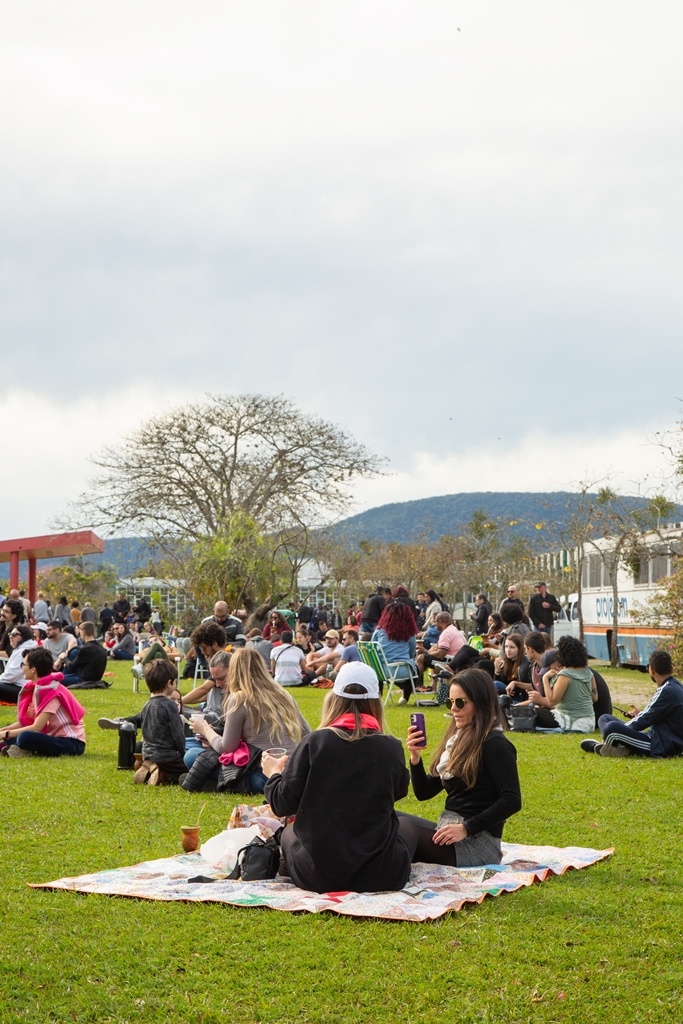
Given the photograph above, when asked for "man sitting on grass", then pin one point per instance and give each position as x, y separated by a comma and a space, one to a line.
319, 663
663, 717
163, 735
86, 669
209, 638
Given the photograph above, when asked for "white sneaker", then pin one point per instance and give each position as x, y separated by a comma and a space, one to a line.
612, 750
402, 701
15, 751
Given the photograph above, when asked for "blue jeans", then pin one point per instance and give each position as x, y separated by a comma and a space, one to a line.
368, 627
71, 678
122, 655
193, 749
614, 731
48, 746
255, 781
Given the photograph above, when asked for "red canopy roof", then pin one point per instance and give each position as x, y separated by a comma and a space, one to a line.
53, 545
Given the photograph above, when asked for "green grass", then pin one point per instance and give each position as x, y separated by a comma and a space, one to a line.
597, 945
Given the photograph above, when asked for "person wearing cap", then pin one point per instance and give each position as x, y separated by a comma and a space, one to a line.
342, 782
319, 662
541, 608
39, 630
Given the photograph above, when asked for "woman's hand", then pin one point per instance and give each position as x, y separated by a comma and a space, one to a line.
498, 665
199, 725
510, 688
272, 765
415, 744
449, 834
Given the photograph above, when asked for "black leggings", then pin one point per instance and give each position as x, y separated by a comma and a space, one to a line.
417, 835
9, 693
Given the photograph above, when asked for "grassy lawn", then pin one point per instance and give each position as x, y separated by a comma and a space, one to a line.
598, 945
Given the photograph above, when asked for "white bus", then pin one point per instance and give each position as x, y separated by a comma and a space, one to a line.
635, 641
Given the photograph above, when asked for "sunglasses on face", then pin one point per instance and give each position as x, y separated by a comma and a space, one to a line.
457, 702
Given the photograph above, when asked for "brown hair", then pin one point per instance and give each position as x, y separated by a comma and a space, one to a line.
464, 760
159, 672
335, 706
511, 665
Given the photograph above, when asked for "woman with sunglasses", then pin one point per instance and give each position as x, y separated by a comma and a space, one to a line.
476, 765
20, 640
11, 615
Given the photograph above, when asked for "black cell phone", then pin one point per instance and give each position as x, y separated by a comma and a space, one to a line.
417, 720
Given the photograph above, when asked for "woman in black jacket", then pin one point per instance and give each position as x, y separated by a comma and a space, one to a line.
477, 766
512, 670
341, 782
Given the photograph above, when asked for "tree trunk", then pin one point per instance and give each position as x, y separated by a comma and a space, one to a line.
614, 653
579, 594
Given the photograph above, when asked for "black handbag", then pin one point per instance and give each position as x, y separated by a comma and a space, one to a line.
257, 861
523, 717
232, 779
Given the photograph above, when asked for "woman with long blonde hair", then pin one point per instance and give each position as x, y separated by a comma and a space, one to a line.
476, 764
341, 783
257, 711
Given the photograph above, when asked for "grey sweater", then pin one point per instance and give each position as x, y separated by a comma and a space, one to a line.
163, 735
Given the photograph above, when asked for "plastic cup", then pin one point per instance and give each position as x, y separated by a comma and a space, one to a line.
276, 752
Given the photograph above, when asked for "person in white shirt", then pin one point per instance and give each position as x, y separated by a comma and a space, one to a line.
12, 679
318, 662
287, 662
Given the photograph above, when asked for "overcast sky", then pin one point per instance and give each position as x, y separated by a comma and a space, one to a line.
455, 228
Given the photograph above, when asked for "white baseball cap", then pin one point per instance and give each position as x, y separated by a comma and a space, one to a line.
356, 672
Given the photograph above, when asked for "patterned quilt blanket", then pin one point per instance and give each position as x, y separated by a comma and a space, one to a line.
431, 892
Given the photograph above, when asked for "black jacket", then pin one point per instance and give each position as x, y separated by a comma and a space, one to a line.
481, 617
90, 662
663, 716
373, 608
495, 795
343, 796
541, 616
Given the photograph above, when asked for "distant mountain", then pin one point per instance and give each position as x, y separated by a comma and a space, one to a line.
449, 513
126, 554
403, 521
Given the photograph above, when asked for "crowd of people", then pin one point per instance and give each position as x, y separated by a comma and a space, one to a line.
239, 729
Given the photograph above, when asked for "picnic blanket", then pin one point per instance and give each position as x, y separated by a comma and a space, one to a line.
431, 891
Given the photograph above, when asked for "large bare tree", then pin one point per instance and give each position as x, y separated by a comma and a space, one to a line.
190, 474
184, 472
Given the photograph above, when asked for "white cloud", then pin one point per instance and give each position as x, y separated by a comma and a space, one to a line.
626, 460
58, 438
396, 213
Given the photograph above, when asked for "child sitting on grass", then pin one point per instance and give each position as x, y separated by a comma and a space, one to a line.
49, 718
163, 736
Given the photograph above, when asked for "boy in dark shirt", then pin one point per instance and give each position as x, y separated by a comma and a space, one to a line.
163, 735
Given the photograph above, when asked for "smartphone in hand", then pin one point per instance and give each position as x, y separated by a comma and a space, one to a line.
417, 720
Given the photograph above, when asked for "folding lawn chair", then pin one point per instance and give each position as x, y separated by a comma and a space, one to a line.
372, 654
